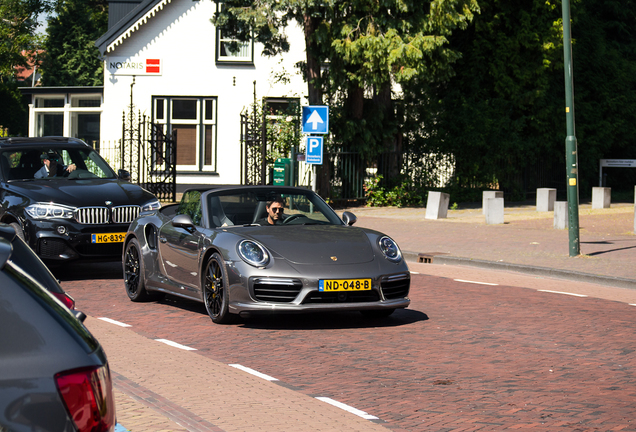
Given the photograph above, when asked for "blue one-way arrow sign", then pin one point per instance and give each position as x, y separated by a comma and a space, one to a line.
316, 119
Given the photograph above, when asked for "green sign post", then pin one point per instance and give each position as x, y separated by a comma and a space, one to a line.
571, 152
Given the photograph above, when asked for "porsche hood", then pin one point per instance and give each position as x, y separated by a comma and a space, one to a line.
315, 244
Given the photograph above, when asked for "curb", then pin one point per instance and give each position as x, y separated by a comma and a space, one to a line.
526, 269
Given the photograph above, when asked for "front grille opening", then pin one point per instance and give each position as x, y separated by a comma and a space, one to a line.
125, 214
276, 290
395, 287
103, 215
342, 297
92, 215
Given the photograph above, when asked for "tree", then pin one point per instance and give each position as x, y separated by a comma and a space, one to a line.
71, 58
18, 25
19, 39
502, 111
604, 59
368, 46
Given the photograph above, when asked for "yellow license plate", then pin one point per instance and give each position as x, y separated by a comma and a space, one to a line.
327, 285
108, 238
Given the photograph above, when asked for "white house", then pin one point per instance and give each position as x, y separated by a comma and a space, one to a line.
168, 58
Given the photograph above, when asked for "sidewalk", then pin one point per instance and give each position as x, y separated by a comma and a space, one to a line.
526, 242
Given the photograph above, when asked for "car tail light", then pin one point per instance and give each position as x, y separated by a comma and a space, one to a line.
66, 299
88, 396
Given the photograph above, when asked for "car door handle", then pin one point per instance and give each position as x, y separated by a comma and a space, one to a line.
162, 239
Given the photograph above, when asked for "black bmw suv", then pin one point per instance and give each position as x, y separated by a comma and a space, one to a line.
65, 200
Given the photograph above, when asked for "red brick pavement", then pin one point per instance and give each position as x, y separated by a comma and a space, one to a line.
462, 357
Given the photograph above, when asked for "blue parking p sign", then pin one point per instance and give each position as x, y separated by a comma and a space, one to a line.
314, 150
316, 119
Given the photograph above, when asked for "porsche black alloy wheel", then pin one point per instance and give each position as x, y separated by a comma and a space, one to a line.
215, 295
133, 272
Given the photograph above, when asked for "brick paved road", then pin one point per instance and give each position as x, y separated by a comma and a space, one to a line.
463, 357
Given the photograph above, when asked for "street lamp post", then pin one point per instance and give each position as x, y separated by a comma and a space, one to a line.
571, 152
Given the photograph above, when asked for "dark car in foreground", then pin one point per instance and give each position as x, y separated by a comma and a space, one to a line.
80, 209
217, 247
23, 257
54, 375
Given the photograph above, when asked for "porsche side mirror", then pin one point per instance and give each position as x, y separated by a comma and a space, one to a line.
124, 175
183, 221
349, 218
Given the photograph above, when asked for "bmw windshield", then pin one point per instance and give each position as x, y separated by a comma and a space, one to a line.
33, 163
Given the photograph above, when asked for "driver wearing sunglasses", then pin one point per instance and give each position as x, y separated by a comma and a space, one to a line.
275, 214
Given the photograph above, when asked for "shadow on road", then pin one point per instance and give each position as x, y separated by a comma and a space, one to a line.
308, 321
84, 271
331, 320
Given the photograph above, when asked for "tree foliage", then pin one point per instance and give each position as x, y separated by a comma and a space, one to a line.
367, 45
72, 59
18, 25
18, 40
502, 114
496, 114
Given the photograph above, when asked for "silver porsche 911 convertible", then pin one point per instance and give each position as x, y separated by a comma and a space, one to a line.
243, 250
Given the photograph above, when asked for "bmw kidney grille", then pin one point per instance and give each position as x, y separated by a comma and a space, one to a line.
103, 215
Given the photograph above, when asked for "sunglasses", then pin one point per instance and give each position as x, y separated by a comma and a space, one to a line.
277, 209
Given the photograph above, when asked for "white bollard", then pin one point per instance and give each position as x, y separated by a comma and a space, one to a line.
487, 195
437, 205
601, 197
561, 215
494, 210
545, 199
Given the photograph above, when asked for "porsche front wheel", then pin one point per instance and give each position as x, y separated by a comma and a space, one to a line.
215, 294
133, 273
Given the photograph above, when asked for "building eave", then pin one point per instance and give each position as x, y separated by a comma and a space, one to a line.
129, 24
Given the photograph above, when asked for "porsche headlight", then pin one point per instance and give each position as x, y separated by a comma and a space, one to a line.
253, 253
49, 211
390, 249
151, 205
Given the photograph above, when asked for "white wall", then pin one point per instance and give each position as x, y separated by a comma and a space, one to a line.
183, 37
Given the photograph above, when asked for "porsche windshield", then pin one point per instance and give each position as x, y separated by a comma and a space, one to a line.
265, 206
53, 162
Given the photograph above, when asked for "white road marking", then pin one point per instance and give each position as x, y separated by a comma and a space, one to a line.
561, 292
473, 282
632, 304
176, 345
415, 272
253, 372
347, 408
112, 321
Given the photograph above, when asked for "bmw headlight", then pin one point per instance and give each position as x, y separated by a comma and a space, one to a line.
390, 249
151, 205
253, 253
49, 211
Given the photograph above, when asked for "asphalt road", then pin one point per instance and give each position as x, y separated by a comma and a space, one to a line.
477, 349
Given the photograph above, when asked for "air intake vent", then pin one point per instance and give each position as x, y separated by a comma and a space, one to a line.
125, 214
395, 287
92, 215
276, 290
